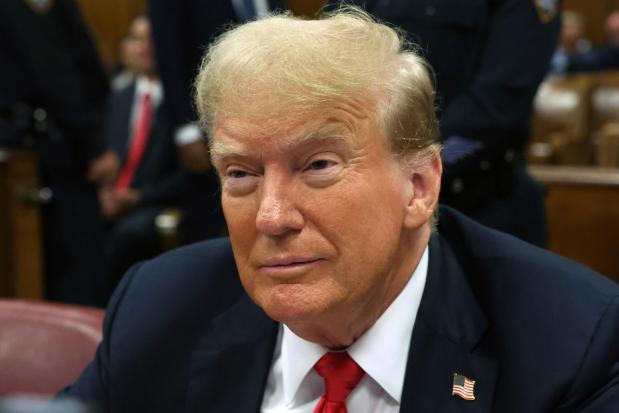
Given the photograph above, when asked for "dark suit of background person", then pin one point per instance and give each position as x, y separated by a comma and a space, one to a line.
601, 58
48, 61
182, 30
181, 335
489, 58
159, 180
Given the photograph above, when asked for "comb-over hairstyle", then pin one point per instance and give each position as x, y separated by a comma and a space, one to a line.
285, 66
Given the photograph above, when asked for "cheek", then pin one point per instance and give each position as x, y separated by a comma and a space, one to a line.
366, 229
240, 215
240, 219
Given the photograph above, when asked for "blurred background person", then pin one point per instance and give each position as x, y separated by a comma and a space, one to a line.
182, 30
489, 58
52, 81
141, 157
605, 57
571, 41
124, 73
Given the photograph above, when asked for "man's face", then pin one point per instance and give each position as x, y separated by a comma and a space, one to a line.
137, 48
315, 213
570, 34
612, 29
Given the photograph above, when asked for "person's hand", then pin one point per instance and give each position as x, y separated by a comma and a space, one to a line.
128, 200
109, 204
104, 169
115, 204
194, 156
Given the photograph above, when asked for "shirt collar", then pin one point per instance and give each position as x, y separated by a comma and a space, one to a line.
382, 351
153, 87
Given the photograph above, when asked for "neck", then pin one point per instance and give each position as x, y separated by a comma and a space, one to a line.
150, 76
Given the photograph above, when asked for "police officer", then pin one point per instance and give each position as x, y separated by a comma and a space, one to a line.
52, 93
489, 57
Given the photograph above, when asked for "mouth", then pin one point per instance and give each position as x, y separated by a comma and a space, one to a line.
288, 265
288, 262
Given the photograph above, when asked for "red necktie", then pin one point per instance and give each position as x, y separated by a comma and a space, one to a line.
138, 144
341, 375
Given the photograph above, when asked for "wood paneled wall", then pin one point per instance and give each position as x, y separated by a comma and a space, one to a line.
109, 21
21, 254
583, 214
308, 8
6, 278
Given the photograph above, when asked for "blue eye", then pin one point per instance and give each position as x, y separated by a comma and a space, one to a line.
237, 173
320, 164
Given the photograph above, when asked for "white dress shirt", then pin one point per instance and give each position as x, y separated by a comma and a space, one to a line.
294, 386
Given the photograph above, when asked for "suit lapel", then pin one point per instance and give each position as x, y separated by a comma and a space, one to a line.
231, 363
119, 124
447, 339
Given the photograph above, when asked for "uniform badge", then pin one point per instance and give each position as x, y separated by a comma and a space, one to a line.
40, 6
546, 9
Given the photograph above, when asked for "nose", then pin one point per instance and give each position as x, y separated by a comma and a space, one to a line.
278, 213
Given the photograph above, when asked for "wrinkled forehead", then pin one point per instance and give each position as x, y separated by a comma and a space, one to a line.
345, 121
239, 137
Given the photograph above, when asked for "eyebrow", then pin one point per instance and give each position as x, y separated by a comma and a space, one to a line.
329, 131
220, 150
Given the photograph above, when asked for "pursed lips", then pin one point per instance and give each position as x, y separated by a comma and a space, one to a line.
288, 262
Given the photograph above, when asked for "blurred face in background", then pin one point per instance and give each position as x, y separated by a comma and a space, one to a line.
572, 30
137, 48
570, 34
612, 28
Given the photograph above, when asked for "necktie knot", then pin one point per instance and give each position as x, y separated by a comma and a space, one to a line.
146, 102
341, 375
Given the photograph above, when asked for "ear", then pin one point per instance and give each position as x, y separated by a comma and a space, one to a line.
425, 185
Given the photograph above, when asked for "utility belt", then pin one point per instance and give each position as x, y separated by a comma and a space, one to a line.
25, 126
471, 184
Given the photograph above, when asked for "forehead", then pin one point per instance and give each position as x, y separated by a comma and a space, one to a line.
348, 122
140, 26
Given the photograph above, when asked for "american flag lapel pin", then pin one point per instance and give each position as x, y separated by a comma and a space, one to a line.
463, 387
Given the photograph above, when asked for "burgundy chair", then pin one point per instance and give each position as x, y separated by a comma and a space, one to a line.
44, 346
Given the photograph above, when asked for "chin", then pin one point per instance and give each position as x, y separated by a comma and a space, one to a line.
290, 303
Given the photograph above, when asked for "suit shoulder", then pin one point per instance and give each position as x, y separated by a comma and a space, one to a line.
495, 257
203, 264
538, 306
193, 281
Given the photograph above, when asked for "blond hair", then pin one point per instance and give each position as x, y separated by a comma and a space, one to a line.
284, 66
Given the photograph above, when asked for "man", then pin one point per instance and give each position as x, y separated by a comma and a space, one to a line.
334, 293
572, 41
52, 94
601, 58
489, 58
141, 158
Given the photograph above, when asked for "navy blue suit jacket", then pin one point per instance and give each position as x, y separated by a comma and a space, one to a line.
159, 176
537, 332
